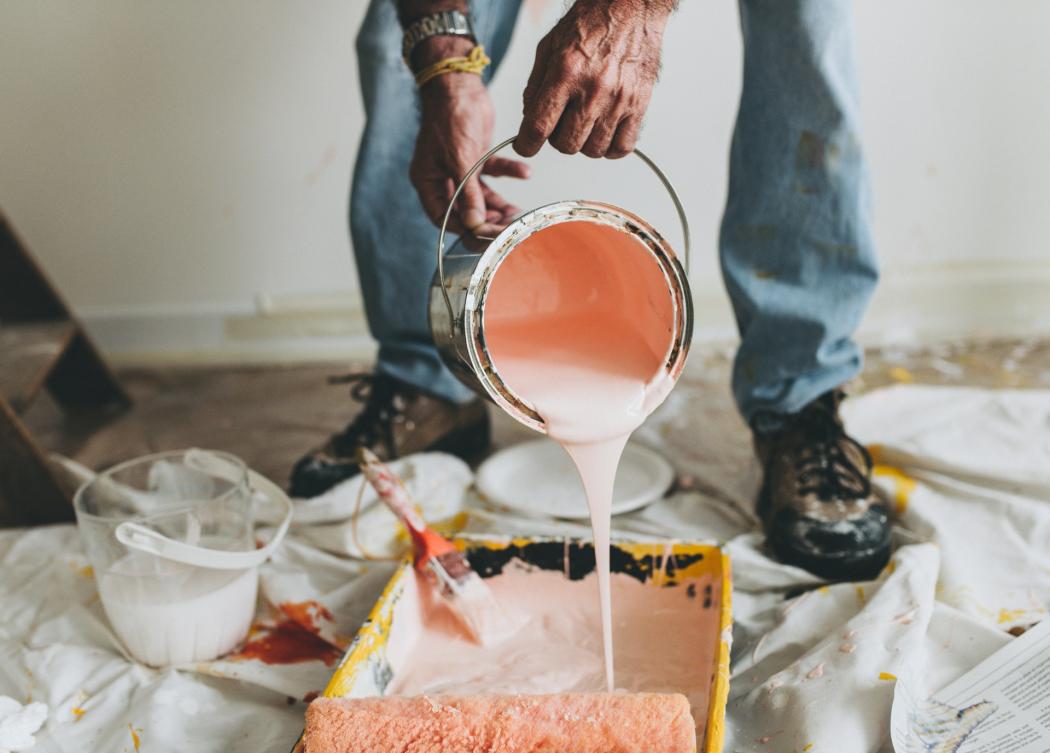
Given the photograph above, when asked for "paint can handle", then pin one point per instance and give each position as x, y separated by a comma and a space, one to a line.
679, 209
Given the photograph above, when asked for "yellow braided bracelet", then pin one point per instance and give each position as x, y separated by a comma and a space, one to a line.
476, 62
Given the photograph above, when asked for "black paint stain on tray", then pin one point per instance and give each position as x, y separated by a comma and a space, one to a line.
551, 555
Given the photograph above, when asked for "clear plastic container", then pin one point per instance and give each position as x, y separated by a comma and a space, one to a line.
171, 540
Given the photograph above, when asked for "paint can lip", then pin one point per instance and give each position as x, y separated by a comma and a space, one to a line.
534, 221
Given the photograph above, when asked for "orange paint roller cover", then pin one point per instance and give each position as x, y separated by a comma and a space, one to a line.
558, 723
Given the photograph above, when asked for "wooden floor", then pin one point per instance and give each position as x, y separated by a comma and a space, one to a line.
270, 415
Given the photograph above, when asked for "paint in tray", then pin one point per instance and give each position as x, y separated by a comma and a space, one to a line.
671, 620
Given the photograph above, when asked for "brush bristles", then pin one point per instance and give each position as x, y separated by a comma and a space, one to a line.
456, 565
471, 600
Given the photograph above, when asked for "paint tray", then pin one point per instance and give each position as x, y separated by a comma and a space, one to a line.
368, 666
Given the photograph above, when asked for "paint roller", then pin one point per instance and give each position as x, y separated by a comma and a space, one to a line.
556, 723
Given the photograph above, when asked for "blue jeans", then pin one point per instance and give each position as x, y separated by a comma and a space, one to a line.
796, 249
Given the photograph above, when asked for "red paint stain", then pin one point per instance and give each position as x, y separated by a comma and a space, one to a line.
288, 642
307, 613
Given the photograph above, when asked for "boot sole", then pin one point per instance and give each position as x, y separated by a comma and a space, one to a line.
864, 565
857, 566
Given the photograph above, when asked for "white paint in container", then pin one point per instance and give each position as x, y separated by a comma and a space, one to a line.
177, 614
170, 538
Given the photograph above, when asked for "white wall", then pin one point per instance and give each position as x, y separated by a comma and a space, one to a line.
182, 168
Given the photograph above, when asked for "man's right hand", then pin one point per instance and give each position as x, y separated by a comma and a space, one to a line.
455, 132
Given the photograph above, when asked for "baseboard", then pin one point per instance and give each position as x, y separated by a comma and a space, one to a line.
913, 306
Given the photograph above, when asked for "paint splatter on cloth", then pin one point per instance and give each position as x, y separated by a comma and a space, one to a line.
973, 529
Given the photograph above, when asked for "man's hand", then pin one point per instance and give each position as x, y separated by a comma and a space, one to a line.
593, 78
455, 131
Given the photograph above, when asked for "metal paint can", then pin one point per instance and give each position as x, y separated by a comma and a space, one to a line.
461, 283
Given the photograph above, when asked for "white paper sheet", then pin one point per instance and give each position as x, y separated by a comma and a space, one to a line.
1000, 706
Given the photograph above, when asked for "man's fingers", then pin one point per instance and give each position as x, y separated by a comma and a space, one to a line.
539, 70
471, 204
600, 140
542, 113
432, 196
626, 137
496, 202
574, 128
603, 131
499, 213
501, 167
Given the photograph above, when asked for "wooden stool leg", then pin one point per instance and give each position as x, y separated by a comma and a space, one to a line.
30, 494
81, 379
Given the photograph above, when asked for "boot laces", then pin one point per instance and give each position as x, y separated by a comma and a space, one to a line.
384, 405
824, 467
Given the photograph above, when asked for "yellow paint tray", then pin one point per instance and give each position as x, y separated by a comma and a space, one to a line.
367, 667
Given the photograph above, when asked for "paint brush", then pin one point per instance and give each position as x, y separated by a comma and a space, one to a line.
437, 558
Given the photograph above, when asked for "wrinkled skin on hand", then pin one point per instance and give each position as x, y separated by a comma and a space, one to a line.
455, 132
588, 92
593, 78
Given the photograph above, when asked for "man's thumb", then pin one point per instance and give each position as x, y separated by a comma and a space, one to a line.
472, 204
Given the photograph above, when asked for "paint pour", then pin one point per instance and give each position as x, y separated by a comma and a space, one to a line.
579, 323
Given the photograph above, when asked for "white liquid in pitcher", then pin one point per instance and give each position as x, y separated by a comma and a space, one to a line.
578, 322
168, 613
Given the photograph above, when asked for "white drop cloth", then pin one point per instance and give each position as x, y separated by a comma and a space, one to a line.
968, 469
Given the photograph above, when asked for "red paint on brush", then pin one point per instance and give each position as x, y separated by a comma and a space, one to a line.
288, 642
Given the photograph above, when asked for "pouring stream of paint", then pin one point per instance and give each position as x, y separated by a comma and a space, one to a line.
578, 322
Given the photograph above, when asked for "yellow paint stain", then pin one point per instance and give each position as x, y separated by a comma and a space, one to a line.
901, 374
887, 676
1011, 615
861, 597
824, 590
903, 486
87, 572
876, 452
78, 705
890, 568
135, 739
807, 747
453, 524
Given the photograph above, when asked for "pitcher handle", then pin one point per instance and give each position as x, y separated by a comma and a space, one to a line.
478, 165
141, 538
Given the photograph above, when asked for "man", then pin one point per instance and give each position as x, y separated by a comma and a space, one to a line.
796, 252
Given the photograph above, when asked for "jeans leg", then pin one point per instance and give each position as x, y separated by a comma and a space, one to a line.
796, 249
392, 238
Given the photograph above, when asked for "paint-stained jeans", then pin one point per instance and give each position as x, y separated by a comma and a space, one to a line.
796, 248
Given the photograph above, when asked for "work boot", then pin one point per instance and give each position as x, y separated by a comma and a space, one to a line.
816, 501
397, 420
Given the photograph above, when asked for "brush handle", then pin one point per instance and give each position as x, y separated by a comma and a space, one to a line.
393, 494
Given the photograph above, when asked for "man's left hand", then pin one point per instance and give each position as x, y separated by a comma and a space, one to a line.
593, 78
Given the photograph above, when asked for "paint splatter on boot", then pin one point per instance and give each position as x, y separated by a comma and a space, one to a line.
816, 502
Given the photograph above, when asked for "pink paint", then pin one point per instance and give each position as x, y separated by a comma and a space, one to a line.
579, 322
848, 648
816, 672
666, 641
